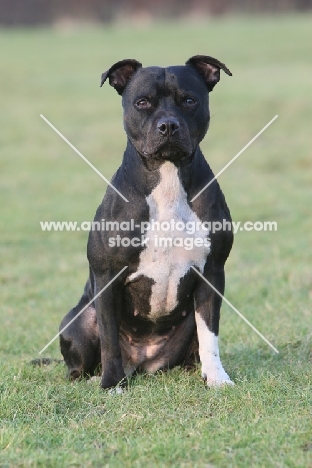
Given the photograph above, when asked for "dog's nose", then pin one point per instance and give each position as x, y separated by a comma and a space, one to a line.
168, 126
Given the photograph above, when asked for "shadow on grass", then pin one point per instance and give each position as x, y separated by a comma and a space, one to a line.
250, 364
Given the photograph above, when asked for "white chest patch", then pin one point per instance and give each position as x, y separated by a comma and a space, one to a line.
170, 252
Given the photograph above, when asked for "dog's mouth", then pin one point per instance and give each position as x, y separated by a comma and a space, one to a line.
168, 151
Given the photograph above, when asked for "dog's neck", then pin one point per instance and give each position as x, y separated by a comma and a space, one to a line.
145, 171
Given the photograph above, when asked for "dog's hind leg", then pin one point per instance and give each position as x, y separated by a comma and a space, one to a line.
80, 344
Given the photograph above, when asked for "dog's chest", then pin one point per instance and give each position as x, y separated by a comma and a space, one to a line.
171, 247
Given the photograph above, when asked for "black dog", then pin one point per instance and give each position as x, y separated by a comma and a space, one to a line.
158, 312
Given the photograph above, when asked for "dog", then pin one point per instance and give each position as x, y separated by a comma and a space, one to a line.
145, 305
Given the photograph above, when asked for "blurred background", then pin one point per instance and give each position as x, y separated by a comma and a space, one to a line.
52, 54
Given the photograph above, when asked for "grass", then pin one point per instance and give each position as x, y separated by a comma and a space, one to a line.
169, 419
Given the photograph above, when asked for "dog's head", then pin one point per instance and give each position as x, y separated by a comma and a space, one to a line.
166, 111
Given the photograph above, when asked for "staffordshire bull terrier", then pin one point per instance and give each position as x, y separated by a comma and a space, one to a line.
155, 311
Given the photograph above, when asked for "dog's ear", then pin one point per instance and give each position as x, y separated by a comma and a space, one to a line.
209, 68
120, 73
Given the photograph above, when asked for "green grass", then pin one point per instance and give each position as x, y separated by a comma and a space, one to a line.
169, 419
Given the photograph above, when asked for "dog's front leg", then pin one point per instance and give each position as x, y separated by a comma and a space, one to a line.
108, 306
207, 316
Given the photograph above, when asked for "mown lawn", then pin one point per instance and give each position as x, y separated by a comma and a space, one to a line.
169, 419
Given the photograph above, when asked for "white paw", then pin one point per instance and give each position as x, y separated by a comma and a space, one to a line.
116, 391
212, 369
216, 376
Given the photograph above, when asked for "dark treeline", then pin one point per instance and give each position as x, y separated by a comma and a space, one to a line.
32, 12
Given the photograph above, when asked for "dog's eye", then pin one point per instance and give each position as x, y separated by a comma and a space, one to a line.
143, 103
189, 101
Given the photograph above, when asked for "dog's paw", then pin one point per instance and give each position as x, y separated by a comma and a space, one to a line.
116, 391
215, 376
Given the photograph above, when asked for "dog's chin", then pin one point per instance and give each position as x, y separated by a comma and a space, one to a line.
168, 152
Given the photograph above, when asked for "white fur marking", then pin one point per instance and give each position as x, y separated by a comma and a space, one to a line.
166, 265
212, 369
